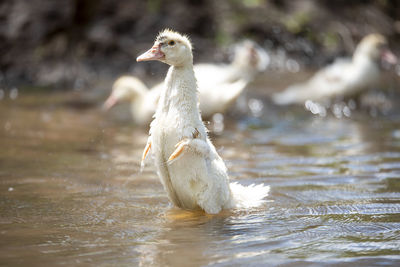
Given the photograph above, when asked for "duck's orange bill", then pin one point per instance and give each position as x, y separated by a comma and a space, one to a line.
389, 57
110, 102
153, 54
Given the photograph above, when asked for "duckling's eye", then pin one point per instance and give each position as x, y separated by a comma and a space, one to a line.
171, 43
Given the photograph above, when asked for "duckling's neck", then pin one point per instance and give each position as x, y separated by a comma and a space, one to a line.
180, 91
360, 57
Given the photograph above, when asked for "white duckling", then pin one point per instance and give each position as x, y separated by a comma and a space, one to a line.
219, 85
143, 101
345, 77
249, 60
191, 171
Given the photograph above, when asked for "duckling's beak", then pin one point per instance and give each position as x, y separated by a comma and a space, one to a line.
153, 54
388, 57
110, 102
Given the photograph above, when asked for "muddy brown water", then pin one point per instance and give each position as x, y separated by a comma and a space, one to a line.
71, 192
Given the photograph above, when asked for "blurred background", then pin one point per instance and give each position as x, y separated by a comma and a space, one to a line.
72, 43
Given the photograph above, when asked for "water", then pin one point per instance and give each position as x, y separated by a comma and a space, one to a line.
71, 193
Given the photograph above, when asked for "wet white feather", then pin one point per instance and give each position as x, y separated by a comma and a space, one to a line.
343, 78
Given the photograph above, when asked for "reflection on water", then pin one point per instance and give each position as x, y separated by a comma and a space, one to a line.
71, 193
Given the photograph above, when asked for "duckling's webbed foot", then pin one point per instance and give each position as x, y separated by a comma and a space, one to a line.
145, 152
179, 147
194, 144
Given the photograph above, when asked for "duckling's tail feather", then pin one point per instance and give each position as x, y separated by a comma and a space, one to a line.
249, 196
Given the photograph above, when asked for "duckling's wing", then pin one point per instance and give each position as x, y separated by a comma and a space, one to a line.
211, 73
334, 73
329, 81
217, 98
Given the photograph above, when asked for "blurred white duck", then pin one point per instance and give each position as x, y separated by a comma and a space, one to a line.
219, 85
191, 171
143, 101
345, 77
249, 60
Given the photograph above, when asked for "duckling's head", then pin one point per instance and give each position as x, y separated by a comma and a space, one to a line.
250, 56
171, 48
375, 47
125, 88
